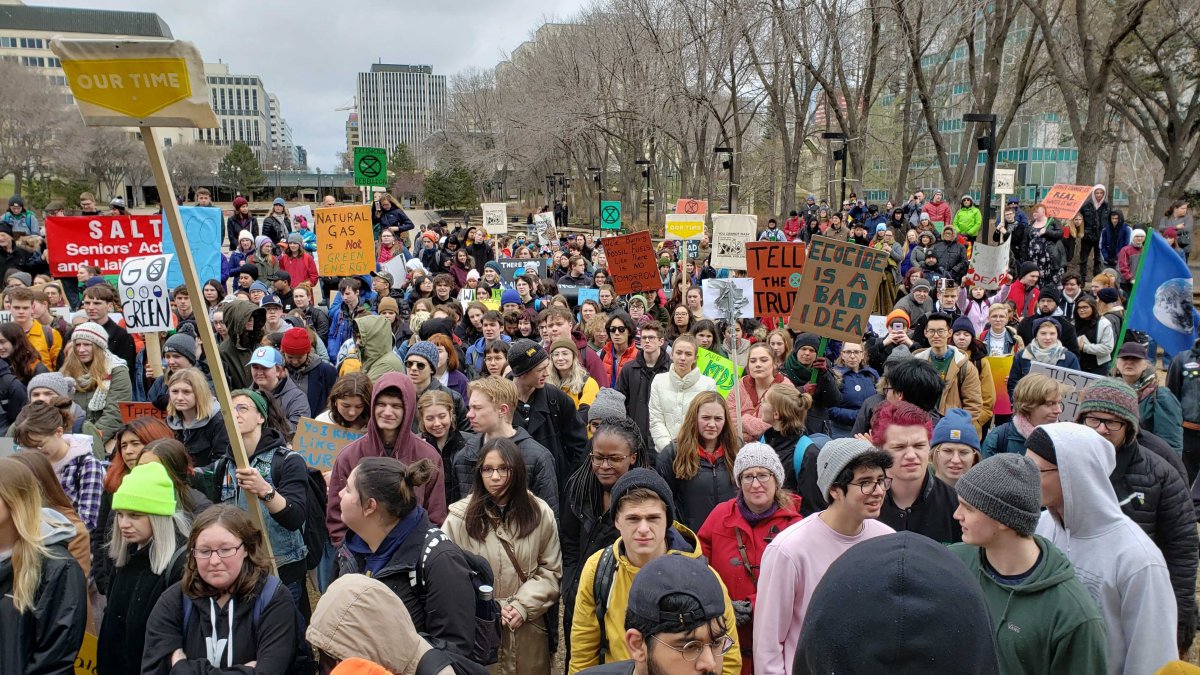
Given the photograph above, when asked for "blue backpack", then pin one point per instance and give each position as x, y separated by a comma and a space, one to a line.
802, 447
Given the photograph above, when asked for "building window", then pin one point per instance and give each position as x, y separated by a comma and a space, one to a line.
9, 42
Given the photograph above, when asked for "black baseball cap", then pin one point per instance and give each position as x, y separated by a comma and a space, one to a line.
281, 276
670, 574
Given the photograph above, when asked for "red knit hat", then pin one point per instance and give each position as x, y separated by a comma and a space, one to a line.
295, 342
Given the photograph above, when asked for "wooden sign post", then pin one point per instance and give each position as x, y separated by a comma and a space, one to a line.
150, 84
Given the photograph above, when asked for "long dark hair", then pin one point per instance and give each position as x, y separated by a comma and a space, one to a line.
220, 294
24, 358
483, 513
584, 493
175, 459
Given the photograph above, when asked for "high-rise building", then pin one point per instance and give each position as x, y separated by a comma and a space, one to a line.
242, 106
399, 104
283, 147
353, 138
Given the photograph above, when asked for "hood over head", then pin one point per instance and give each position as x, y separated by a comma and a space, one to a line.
56, 528
406, 441
236, 314
374, 339
1085, 461
345, 624
1092, 194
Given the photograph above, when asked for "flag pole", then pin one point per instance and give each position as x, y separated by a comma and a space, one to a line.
1137, 277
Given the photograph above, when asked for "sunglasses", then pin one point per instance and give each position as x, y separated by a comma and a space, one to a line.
618, 329
419, 365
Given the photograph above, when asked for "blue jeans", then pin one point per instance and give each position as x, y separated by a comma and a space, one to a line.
325, 568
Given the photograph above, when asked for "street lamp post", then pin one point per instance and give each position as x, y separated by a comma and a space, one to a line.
645, 164
215, 196
986, 143
839, 155
597, 177
728, 166
318, 184
278, 187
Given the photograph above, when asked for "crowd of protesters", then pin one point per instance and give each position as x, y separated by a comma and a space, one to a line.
539, 477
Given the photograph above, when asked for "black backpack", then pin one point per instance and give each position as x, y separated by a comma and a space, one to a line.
302, 662
316, 498
486, 649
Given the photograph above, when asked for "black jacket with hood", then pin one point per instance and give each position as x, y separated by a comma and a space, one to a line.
539, 464
932, 514
235, 351
45, 638
551, 419
315, 378
13, 397
131, 597
634, 381
272, 642
205, 439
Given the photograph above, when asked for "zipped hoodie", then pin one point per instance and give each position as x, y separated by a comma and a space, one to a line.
1047, 623
1118, 564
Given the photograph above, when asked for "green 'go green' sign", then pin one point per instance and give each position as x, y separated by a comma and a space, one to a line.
610, 215
370, 167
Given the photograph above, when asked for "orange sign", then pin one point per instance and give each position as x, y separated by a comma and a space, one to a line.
776, 267
631, 263
692, 206
345, 241
1064, 201
131, 410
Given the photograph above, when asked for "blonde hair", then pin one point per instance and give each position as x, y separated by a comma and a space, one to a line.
790, 405
687, 444
574, 381
786, 336
194, 379
498, 389
431, 398
162, 540
22, 496
97, 370
1034, 390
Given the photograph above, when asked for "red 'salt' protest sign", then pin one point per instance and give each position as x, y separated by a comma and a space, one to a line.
102, 241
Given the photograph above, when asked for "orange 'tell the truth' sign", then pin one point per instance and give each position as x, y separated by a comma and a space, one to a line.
1064, 201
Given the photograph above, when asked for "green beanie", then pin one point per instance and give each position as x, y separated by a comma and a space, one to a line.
146, 489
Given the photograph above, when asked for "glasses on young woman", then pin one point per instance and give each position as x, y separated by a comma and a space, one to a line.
206, 553
501, 471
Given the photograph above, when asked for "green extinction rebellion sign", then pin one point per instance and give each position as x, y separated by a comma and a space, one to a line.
370, 167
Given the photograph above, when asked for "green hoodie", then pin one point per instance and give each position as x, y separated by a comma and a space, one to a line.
235, 350
376, 348
1046, 624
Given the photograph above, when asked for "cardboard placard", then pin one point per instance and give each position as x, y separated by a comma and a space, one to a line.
731, 233
837, 289
692, 206
370, 167
1075, 382
1064, 200
103, 241
143, 293
720, 369
776, 268
610, 215
586, 294
495, 217
684, 226
345, 241
543, 225
131, 410
320, 442
712, 290
989, 264
632, 267
302, 213
85, 661
511, 268
204, 229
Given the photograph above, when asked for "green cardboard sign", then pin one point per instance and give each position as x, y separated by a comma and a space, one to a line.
370, 167
610, 215
720, 369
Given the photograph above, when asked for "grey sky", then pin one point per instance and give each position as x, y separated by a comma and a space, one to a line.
308, 51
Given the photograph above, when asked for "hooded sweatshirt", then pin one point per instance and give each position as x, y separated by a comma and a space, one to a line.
82, 478
407, 448
375, 347
1047, 623
235, 352
1117, 563
45, 638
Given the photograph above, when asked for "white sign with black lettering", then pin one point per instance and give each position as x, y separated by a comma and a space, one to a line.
1075, 382
144, 295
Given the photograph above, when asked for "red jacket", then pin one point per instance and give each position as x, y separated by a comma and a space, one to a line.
611, 373
791, 228
299, 269
938, 213
719, 543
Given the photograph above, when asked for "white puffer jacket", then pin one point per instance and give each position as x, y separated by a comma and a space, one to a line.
670, 396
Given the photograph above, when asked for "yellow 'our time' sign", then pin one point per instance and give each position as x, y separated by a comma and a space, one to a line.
136, 87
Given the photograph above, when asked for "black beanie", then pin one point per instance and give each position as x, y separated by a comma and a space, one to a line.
1040, 443
1026, 268
807, 340
644, 478
438, 326
250, 269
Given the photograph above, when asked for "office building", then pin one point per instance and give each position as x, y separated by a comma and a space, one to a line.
398, 104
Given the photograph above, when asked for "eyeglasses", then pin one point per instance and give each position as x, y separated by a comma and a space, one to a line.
607, 460
692, 650
869, 486
760, 478
242, 409
949, 452
206, 553
1109, 425
936, 331
618, 329
501, 471
419, 365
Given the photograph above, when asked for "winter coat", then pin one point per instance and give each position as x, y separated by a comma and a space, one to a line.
1095, 355
13, 396
932, 514
1183, 379
234, 225
753, 426
272, 644
107, 419
857, 387
670, 396
235, 358
131, 597
532, 590
340, 329
292, 401
952, 259
735, 548
300, 268
1023, 360
45, 638
939, 212
1120, 566
1114, 238
585, 632
916, 311
205, 439
968, 220
539, 465
1155, 497
444, 612
1127, 262
393, 217
1161, 413
611, 372
961, 387
550, 418
315, 379
827, 395
1045, 624
696, 497
1067, 334
276, 227
1095, 217
81, 476
1003, 438
634, 382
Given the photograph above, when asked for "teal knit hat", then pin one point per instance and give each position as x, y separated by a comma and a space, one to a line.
1110, 396
146, 489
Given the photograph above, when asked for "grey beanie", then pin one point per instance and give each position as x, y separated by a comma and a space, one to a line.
1006, 488
295, 238
57, 382
608, 404
182, 344
834, 457
427, 351
644, 478
758, 455
899, 353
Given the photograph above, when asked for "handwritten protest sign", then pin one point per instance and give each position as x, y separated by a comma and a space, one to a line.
1000, 366
204, 229
731, 233
511, 268
132, 410
719, 368
740, 288
1074, 381
684, 226
495, 217
692, 206
586, 294
103, 241
631, 263
143, 293
320, 442
989, 264
543, 225
85, 661
776, 268
301, 214
837, 289
1065, 200
345, 241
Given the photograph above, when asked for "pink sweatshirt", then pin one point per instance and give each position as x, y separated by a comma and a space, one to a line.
792, 566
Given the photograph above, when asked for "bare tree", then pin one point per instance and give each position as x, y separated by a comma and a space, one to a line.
192, 166
37, 132
107, 155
